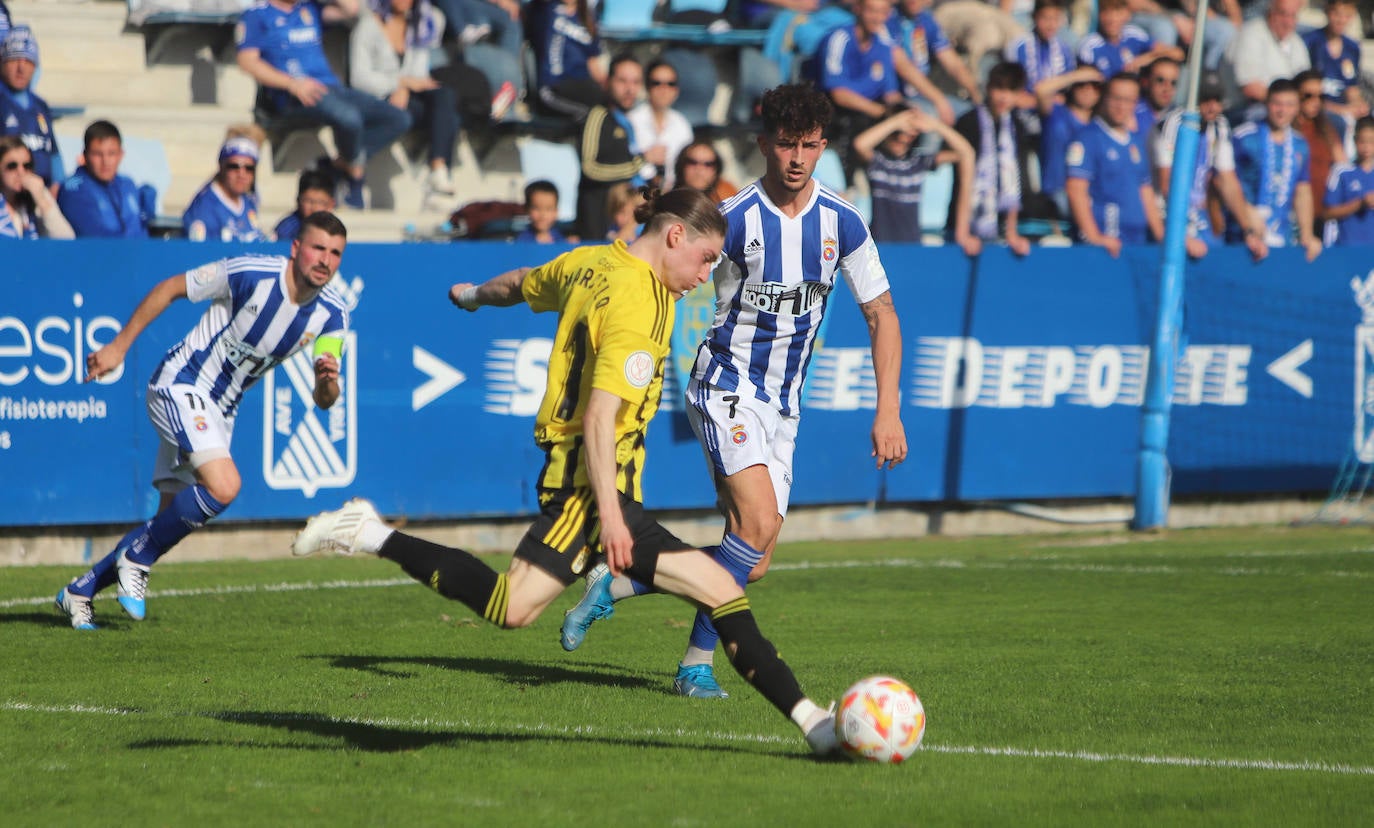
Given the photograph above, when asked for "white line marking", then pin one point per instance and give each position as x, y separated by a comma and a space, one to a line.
1305, 766
1042, 564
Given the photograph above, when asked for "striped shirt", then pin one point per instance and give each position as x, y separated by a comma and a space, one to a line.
249, 329
772, 286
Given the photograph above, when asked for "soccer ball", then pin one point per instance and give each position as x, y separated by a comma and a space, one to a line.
880, 719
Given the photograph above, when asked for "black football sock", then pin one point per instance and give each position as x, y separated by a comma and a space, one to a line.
453, 573
753, 656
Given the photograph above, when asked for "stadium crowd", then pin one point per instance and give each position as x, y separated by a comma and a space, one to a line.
1049, 129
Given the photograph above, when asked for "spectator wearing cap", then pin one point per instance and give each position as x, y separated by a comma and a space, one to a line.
22, 111
1215, 169
314, 192
96, 199
226, 208
280, 45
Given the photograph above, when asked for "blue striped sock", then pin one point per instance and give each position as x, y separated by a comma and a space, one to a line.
103, 573
188, 511
739, 559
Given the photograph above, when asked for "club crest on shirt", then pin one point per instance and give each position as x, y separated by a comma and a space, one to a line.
306, 448
1135, 154
829, 249
200, 424
306, 17
639, 369
738, 435
1075, 155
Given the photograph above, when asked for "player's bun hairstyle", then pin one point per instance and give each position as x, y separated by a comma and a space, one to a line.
692, 207
326, 221
99, 131
795, 109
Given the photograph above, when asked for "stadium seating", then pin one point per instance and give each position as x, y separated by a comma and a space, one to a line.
556, 162
935, 195
830, 170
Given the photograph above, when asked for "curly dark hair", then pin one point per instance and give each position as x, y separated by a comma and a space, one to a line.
795, 109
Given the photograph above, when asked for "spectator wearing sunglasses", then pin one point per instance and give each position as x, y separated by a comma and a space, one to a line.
27, 208
657, 123
22, 111
698, 166
1324, 137
96, 199
226, 208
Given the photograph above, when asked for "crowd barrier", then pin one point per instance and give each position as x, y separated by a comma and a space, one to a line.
1022, 379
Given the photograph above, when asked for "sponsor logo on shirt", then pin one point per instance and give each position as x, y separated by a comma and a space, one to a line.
785, 300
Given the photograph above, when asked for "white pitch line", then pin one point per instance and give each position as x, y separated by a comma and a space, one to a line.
1306, 766
797, 566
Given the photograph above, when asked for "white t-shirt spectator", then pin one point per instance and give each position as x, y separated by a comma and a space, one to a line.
674, 135
1256, 56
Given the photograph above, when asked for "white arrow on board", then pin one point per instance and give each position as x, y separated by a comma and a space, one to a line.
442, 378
1287, 369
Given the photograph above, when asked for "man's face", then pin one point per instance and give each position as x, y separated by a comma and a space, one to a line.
1161, 85
17, 73
873, 15
789, 160
1112, 21
1282, 108
626, 83
315, 256
689, 259
1283, 17
103, 157
1121, 98
237, 173
543, 211
313, 201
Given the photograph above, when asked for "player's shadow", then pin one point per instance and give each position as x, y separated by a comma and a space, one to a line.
523, 673
383, 738
42, 619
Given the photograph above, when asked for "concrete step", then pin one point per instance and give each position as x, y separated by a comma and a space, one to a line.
157, 86
90, 53
53, 20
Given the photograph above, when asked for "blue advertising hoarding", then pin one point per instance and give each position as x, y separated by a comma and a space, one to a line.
1022, 379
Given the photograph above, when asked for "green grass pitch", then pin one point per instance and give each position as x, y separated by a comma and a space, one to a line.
1218, 677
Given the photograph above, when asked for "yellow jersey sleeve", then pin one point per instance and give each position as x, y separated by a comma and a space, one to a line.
543, 286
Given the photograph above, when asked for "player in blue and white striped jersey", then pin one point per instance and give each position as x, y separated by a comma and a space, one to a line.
788, 237
263, 309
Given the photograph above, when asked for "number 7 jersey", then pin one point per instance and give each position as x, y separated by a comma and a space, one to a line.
772, 286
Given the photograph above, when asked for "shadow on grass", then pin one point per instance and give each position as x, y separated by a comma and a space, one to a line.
43, 619
508, 670
384, 738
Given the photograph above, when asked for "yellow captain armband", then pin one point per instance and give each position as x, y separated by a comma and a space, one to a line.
332, 345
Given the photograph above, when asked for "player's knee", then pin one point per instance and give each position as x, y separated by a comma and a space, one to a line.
517, 617
224, 488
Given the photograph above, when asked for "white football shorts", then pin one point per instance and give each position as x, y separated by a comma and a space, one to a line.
737, 430
193, 432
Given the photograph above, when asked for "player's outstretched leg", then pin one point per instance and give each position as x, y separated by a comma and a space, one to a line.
696, 676
454, 573
596, 603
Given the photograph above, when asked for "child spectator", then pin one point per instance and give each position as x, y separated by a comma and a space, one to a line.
897, 169
998, 177
1350, 192
699, 166
226, 208
96, 199
1336, 58
541, 205
1110, 195
1274, 171
1040, 51
22, 111
621, 203
314, 192
1118, 46
27, 208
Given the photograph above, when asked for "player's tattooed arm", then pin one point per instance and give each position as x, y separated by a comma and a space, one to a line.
884, 331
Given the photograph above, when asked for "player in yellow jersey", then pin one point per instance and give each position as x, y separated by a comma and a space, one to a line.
615, 308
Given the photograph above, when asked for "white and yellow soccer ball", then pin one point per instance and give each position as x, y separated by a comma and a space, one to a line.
880, 719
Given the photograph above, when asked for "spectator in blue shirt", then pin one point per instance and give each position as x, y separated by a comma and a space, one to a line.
1337, 58
569, 77
226, 208
1110, 195
1273, 164
280, 46
314, 193
1158, 86
22, 111
96, 199
912, 27
854, 66
1040, 51
541, 205
1118, 46
1060, 122
1350, 192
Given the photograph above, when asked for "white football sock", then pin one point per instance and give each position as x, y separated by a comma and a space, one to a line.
371, 536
